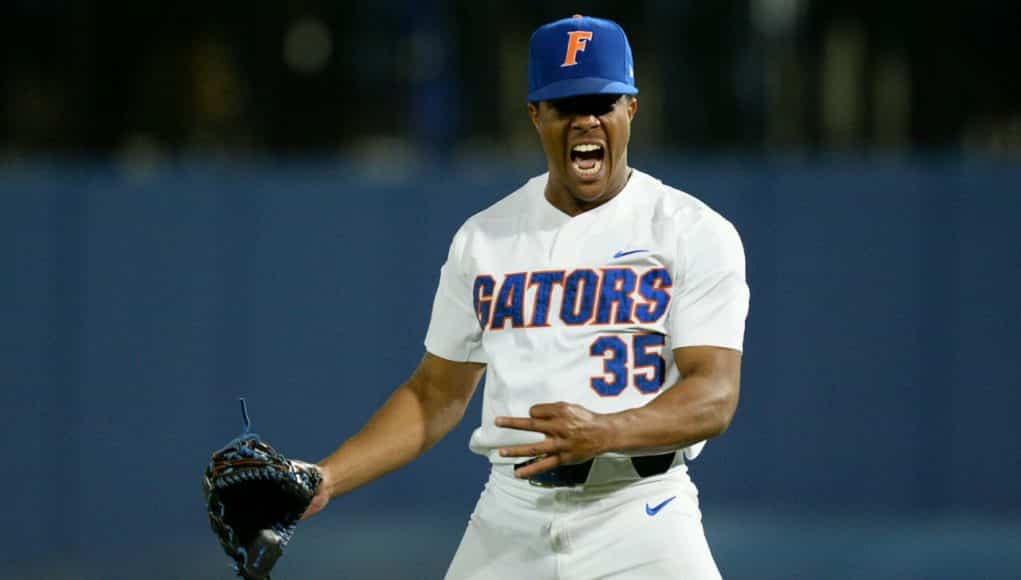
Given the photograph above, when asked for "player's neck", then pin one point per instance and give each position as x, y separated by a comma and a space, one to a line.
561, 198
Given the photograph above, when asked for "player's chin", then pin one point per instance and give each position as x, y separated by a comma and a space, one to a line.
588, 186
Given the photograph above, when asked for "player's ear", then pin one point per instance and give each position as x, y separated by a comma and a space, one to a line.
533, 113
632, 107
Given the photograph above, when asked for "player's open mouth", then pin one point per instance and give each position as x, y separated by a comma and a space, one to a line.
587, 159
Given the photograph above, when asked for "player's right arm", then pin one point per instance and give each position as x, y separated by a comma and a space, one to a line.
426, 407
415, 417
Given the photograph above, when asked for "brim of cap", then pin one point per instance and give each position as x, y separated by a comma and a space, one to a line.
581, 86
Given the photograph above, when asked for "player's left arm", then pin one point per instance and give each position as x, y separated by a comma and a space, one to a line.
698, 407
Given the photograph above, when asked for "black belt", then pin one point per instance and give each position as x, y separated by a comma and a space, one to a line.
572, 475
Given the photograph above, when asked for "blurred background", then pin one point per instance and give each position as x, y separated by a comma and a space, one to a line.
201, 200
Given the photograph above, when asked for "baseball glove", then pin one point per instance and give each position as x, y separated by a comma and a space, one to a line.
255, 497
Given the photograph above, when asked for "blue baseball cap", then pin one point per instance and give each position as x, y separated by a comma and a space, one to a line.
580, 55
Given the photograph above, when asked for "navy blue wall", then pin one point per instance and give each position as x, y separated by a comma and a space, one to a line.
881, 366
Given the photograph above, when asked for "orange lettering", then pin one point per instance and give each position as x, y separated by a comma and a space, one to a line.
577, 40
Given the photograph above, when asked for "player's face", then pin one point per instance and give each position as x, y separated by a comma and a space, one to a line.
585, 140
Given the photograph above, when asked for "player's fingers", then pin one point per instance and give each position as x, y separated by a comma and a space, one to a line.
523, 424
529, 450
538, 466
545, 410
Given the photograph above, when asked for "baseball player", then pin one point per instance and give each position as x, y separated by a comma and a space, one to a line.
607, 311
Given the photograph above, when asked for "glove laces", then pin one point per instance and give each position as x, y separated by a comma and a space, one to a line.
244, 416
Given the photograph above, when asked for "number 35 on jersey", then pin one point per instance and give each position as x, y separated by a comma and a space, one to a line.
612, 297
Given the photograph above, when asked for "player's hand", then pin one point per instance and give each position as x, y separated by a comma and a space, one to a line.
322, 496
573, 434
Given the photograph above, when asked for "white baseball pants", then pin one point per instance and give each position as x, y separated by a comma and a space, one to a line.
614, 530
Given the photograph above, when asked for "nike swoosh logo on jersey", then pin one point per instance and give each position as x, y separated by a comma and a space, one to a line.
621, 254
655, 510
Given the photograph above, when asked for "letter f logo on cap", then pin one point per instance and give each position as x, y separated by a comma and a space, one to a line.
577, 40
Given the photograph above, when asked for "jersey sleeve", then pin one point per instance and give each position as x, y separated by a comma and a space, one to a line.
711, 296
454, 332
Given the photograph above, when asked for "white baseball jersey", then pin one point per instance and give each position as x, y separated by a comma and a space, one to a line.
586, 309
